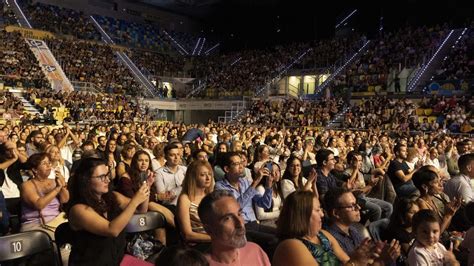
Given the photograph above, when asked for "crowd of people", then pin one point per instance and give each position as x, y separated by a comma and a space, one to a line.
391, 52
60, 20
159, 64
244, 194
238, 73
292, 112
95, 63
243, 72
451, 114
82, 106
7, 17
459, 64
145, 36
11, 106
18, 65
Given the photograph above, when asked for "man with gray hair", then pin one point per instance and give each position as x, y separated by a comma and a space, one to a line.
221, 216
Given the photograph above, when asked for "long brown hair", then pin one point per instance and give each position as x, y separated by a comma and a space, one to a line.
80, 189
295, 215
134, 172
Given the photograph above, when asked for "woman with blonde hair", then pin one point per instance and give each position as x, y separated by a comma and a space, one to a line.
198, 182
57, 163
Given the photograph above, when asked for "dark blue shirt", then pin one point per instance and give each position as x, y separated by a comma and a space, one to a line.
325, 183
348, 242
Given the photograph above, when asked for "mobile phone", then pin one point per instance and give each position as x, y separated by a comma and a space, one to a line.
143, 177
269, 166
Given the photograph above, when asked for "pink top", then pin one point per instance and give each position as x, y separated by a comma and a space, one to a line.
251, 254
31, 215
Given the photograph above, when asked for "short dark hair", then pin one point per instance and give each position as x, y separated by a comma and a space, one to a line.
398, 147
351, 156
33, 134
423, 176
464, 161
170, 147
35, 160
177, 256
225, 158
322, 155
87, 143
424, 216
331, 198
206, 207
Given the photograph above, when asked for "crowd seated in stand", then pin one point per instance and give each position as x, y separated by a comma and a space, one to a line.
459, 64
438, 113
325, 53
79, 106
144, 36
11, 106
392, 51
7, 16
158, 64
292, 112
95, 63
60, 20
320, 165
18, 65
243, 72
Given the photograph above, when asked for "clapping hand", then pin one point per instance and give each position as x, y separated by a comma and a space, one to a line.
453, 206
389, 252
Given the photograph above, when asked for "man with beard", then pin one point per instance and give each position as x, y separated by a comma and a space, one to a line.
247, 196
400, 174
35, 143
102, 140
221, 216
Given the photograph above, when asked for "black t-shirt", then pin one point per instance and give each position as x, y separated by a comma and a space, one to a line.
393, 168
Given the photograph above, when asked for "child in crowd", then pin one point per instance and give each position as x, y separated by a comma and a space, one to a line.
427, 250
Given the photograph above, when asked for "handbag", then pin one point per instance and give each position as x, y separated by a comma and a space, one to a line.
53, 224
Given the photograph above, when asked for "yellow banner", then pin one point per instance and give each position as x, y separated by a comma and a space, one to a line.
31, 33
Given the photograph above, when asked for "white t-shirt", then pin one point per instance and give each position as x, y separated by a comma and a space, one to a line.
66, 152
421, 256
9, 188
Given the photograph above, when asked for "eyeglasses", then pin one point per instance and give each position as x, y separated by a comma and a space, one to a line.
103, 177
352, 207
236, 163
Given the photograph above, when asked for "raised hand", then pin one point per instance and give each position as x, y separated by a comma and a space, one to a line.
312, 179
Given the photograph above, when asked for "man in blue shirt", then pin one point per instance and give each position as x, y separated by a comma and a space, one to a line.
344, 215
246, 194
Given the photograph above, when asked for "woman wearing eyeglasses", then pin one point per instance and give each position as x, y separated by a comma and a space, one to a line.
41, 197
98, 216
